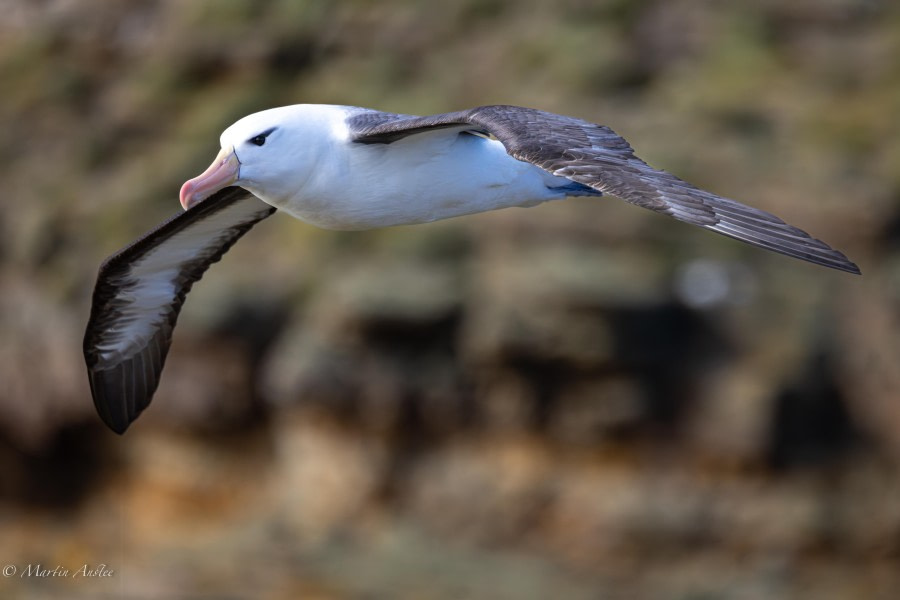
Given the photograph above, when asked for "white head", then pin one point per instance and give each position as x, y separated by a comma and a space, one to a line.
270, 153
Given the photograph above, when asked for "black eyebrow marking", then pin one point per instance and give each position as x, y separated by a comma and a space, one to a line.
260, 138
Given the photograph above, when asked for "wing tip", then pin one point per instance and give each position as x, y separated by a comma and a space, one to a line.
830, 258
117, 427
850, 267
110, 400
117, 420
802, 247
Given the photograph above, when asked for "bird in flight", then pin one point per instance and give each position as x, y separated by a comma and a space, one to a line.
349, 168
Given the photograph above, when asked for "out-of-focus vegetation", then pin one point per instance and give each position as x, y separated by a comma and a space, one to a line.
582, 400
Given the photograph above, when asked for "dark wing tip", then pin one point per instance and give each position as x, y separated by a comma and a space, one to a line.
799, 245
842, 263
108, 396
837, 261
765, 230
122, 392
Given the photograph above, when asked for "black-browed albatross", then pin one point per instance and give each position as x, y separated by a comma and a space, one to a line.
342, 167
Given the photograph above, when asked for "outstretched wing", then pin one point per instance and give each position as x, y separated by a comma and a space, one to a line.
140, 291
594, 155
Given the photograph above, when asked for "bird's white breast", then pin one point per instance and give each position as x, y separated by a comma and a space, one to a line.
420, 178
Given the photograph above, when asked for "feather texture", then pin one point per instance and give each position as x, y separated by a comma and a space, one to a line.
595, 156
140, 291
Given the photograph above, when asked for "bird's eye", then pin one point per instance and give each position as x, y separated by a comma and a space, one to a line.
259, 140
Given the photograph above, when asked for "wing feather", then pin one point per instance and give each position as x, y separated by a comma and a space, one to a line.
594, 155
139, 293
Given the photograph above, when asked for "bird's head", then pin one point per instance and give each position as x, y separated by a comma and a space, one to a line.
269, 153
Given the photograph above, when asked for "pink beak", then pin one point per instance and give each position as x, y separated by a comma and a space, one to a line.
224, 171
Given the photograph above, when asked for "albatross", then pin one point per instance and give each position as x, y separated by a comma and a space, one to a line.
351, 168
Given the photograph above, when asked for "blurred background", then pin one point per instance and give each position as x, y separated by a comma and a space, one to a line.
581, 400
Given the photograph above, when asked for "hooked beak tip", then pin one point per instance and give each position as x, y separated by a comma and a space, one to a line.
186, 195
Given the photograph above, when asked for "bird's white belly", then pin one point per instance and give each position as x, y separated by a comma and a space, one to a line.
423, 178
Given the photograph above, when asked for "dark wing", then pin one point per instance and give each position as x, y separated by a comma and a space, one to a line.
139, 292
594, 155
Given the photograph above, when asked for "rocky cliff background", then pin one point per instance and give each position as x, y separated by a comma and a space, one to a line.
580, 400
